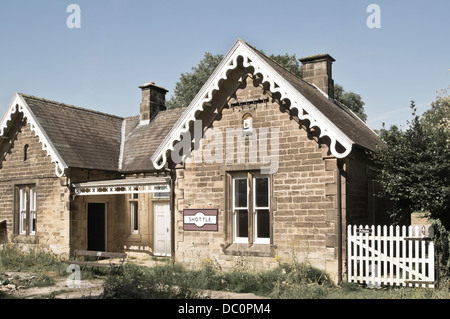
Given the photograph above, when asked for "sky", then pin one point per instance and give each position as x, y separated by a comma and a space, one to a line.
390, 56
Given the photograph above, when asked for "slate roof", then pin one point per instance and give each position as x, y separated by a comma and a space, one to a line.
141, 141
336, 112
89, 139
83, 138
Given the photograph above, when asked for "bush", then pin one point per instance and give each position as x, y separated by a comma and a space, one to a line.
27, 258
442, 242
139, 282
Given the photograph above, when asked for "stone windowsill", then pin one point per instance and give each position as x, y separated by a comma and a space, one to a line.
258, 250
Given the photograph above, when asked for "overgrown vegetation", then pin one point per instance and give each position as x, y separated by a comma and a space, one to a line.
168, 280
415, 171
15, 257
172, 280
288, 280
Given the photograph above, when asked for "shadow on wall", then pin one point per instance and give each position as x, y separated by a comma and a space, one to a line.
3, 237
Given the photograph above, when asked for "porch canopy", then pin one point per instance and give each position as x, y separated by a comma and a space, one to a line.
124, 186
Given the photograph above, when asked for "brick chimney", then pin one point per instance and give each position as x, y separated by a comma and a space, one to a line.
153, 101
317, 71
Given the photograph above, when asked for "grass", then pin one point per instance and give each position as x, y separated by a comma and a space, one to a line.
293, 280
168, 280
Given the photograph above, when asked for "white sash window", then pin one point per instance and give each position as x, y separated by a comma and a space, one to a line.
251, 208
26, 214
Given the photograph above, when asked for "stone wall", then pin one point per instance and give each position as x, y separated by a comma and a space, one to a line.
303, 192
52, 193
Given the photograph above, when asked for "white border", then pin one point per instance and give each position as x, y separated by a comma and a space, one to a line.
306, 110
18, 104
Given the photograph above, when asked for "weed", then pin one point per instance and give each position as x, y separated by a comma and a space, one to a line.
139, 282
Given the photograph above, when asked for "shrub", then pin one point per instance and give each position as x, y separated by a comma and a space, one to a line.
139, 282
442, 242
30, 258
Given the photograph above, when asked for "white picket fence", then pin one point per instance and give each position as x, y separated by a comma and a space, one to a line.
382, 255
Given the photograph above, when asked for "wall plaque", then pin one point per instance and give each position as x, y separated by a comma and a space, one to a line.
200, 219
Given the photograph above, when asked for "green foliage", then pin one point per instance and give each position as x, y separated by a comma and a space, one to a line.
415, 173
442, 243
350, 99
289, 62
172, 280
415, 165
139, 282
27, 258
190, 83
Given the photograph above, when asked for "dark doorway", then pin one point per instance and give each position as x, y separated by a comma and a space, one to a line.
96, 225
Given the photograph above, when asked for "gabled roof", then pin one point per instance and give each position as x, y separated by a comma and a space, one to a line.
141, 141
84, 138
76, 137
19, 105
337, 122
339, 114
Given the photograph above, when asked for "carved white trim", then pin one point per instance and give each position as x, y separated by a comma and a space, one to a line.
113, 190
123, 186
240, 50
18, 104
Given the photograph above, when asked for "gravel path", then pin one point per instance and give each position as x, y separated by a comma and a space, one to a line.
87, 289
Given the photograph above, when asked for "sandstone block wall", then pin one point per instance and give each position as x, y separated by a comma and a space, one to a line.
303, 193
52, 194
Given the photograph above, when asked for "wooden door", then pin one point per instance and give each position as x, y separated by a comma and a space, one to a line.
162, 243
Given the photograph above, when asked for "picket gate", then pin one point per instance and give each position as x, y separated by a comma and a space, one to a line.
382, 255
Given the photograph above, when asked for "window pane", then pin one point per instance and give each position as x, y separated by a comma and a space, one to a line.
23, 199
162, 194
262, 192
240, 192
242, 223
134, 216
32, 198
23, 211
263, 224
23, 221
33, 222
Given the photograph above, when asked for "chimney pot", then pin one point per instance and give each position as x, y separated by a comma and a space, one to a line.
153, 101
317, 70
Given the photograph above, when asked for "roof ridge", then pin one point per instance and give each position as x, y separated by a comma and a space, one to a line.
69, 106
280, 65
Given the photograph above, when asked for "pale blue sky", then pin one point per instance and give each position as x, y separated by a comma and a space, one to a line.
123, 44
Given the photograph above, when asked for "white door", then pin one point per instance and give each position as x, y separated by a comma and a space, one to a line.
161, 213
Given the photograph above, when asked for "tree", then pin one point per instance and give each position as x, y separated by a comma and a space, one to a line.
350, 99
415, 173
289, 62
190, 83
415, 170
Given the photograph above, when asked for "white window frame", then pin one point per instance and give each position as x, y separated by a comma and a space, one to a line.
260, 240
23, 195
32, 213
134, 213
164, 194
237, 239
27, 210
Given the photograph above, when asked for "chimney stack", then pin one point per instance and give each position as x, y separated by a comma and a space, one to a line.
153, 101
317, 71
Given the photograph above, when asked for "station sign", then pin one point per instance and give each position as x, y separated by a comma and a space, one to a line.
200, 219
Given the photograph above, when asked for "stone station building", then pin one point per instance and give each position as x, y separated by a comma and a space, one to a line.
261, 164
